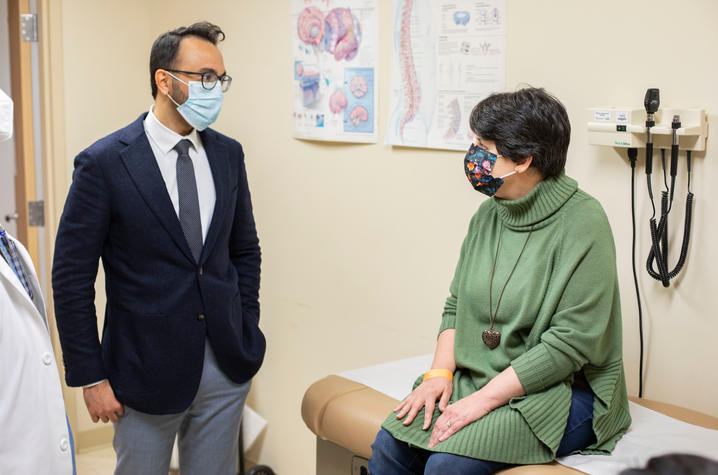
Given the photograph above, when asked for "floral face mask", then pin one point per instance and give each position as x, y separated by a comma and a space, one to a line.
478, 163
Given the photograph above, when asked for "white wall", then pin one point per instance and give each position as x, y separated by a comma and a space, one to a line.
7, 148
360, 241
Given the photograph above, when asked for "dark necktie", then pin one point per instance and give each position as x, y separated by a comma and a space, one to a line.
188, 199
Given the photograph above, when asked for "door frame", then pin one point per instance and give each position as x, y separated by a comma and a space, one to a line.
21, 94
55, 168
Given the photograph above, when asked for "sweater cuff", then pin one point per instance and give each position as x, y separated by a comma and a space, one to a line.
447, 322
534, 369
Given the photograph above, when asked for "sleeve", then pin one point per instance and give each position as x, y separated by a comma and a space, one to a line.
244, 249
448, 318
587, 316
80, 238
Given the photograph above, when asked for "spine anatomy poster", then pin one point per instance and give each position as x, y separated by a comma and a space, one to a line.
334, 44
447, 56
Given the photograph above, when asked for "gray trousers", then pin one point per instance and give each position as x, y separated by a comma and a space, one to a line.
208, 430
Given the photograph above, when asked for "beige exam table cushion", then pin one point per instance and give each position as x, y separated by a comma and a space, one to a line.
349, 414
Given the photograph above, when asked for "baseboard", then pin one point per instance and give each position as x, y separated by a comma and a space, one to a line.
94, 439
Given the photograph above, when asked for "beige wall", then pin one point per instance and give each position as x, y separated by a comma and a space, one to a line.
360, 241
106, 50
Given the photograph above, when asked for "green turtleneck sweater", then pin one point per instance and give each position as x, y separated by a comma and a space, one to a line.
560, 314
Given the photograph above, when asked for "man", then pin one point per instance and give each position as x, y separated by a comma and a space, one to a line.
32, 411
165, 203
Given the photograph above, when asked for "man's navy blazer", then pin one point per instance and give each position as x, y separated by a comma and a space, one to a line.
161, 304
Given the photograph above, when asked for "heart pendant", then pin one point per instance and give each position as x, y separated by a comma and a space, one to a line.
491, 338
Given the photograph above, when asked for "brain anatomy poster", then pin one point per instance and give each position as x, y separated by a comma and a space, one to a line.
334, 44
446, 57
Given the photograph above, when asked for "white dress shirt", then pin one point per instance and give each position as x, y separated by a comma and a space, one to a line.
163, 140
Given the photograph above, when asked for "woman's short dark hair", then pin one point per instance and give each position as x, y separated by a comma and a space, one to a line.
528, 122
165, 47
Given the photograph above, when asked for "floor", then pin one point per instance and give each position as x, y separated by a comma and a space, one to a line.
102, 462
96, 462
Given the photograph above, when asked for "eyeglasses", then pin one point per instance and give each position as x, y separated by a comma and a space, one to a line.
209, 79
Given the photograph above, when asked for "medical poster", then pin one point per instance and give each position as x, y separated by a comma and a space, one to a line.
447, 56
334, 54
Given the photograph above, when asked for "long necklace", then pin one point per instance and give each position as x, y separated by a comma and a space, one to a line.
492, 337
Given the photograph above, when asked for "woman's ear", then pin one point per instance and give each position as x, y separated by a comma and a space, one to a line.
524, 165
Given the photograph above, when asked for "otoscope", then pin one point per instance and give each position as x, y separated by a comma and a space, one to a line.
651, 102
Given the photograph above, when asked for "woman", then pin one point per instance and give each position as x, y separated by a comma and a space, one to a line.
528, 362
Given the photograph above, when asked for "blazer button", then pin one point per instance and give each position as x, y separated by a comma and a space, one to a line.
201, 316
201, 271
47, 359
64, 445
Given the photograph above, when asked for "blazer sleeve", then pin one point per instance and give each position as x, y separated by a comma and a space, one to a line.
244, 247
80, 238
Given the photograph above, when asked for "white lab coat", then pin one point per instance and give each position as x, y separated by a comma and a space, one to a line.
34, 437
5, 116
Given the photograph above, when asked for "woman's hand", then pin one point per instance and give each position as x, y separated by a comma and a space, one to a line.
496, 393
425, 395
456, 416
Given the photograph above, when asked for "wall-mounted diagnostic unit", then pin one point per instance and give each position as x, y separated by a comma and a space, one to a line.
673, 130
626, 127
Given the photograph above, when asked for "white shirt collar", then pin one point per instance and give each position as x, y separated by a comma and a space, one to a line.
165, 138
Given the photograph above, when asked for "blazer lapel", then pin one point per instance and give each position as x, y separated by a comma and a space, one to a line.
217, 156
142, 166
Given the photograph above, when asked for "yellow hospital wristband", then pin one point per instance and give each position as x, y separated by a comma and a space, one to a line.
438, 373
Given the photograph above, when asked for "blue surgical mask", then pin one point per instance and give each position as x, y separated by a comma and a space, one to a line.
202, 106
478, 164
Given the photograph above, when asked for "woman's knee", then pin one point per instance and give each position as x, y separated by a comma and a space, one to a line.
443, 463
439, 463
382, 441
385, 448
392, 456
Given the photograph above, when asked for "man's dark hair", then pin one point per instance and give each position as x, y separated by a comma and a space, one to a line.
528, 122
165, 47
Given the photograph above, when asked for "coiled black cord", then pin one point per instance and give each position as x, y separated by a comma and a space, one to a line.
665, 208
658, 252
662, 273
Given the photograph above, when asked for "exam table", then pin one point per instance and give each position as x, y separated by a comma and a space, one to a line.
346, 410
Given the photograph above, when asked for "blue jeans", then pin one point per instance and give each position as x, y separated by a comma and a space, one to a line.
394, 457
